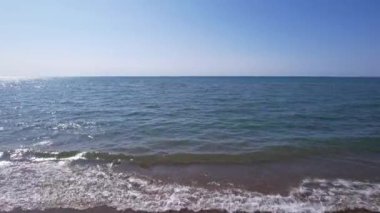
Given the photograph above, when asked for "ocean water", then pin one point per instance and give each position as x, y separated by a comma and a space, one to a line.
170, 143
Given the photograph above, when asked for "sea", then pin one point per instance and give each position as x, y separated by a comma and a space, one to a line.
156, 144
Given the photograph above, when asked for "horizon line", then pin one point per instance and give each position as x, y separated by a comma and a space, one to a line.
185, 76
195, 76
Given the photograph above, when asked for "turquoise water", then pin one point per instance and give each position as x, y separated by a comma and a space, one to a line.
196, 143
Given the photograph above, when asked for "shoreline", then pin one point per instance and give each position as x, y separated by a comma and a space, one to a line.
312, 185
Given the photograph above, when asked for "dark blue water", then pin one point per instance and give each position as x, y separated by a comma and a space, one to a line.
169, 143
188, 115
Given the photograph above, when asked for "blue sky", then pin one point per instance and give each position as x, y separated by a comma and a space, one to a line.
190, 37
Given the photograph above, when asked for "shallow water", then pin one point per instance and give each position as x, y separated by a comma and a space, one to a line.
229, 143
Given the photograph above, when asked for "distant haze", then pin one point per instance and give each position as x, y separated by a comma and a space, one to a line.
190, 37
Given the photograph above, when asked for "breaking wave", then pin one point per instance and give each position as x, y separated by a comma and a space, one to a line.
31, 154
43, 143
65, 184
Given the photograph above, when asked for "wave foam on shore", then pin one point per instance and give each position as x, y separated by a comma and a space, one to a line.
62, 184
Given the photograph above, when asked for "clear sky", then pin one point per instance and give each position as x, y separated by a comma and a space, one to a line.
190, 37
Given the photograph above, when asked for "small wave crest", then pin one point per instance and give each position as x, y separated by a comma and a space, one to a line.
36, 152
43, 143
52, 184
25, 155
31, 154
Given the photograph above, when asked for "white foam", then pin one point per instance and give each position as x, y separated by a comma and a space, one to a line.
75, 157
4, 163
25, 154
18, 154
78, 156
44, 143
36, 159
52, 184
69, 125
